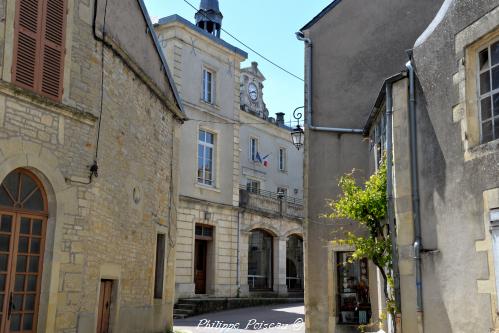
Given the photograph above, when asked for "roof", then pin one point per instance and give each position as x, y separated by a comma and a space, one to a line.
321, 14
219, 41
379, 101
161, 55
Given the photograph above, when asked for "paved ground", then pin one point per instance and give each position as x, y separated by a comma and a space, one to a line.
266, 319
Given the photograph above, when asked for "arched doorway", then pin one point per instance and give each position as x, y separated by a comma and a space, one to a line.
23, 219
260, 260
294, 263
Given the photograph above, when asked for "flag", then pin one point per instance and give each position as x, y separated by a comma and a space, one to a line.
266, 162
258, 158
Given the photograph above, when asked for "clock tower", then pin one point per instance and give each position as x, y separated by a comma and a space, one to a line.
251, 91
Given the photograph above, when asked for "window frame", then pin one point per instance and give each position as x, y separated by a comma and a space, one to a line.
283, 159
490, 94
253, 154
252, 189
159, 267
206, 145
208, 91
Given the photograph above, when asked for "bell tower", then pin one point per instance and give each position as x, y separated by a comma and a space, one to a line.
209, 17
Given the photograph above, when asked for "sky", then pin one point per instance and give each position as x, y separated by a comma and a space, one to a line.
269, 27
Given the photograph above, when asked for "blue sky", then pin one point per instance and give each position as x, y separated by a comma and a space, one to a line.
268, 26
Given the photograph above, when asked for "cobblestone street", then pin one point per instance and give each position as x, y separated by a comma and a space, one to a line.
267, 319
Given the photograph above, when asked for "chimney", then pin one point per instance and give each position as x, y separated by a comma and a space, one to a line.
280, 119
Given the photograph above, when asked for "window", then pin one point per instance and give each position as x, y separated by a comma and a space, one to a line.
160, 266
253, 186
207, 86
353, 288
282, 159
38, 59
253, 149
488, 90
204, 232
205, 157
378, 139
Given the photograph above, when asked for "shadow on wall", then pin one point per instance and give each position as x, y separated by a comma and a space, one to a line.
432, 170
432, 181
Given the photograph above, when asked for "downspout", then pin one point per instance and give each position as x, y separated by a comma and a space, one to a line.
389, 196
238, 271
415, 193
308, 84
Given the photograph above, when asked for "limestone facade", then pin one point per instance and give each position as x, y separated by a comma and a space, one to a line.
103, 228
216, 263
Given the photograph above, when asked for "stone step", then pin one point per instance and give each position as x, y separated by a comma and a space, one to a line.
183, 311
195, 306
187, 306
179, 316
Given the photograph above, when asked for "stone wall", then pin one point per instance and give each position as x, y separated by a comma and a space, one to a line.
106, 229
222, 252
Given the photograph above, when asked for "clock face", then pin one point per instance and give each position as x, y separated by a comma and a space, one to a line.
252, 91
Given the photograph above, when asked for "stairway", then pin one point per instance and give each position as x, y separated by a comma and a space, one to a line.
183, 309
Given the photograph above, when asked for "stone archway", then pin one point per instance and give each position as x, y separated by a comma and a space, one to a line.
62, 206
23, 225
260, 260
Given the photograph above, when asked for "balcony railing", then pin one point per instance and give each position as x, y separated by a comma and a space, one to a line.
270, 202
273, 195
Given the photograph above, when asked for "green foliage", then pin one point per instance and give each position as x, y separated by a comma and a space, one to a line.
367, 205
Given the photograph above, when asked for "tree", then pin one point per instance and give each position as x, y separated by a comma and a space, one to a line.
367, 205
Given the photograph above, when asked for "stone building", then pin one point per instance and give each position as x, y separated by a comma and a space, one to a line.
436, 113
447, 216
350, 47
87, 218
271, 182
215, 221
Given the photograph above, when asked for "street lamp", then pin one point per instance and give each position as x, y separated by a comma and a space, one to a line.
297, 134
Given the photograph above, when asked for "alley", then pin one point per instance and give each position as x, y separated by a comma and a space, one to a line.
267, 319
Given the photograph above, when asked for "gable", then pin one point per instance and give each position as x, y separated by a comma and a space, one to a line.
129, 28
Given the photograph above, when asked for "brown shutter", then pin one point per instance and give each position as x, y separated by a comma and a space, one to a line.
26, 42
54, 27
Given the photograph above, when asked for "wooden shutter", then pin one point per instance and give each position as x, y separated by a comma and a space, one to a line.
26, 42
39, 46
52, 69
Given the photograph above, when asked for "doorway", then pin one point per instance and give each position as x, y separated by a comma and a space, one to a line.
23, 219
104, 312
204, 236
200, 266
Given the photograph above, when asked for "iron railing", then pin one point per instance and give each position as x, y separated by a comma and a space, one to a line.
272, 195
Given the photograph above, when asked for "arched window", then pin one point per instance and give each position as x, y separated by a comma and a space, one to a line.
23, 218
260, 261
294, 263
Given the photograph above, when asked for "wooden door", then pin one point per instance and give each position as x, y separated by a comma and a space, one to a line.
23, 220
200, 266
104, 312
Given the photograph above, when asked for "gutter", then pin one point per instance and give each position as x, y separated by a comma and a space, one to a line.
415, 193
308, 84
238, 272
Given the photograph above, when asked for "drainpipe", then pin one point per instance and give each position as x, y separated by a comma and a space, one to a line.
415, 192
389, 196
308, 84
238, 272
